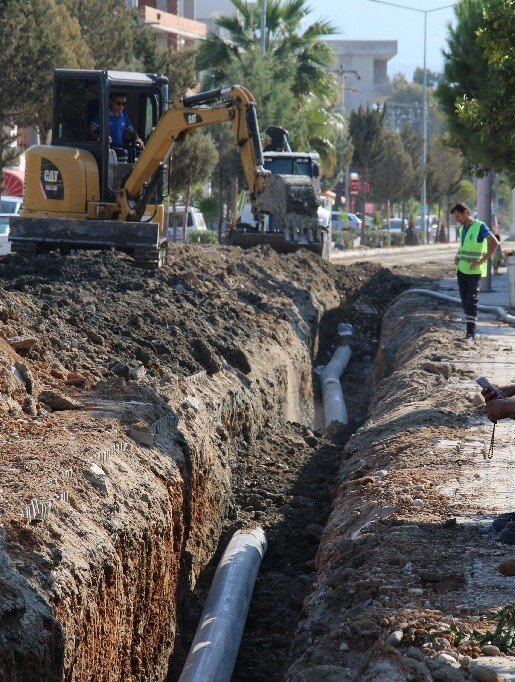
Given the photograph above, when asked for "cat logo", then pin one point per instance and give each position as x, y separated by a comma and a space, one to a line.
51, 180
50, 175
191, 119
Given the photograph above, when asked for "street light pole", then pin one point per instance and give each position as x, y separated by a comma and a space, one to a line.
423, 197
262, 40
343, 73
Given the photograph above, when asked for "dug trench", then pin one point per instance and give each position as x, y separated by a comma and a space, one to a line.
145, 417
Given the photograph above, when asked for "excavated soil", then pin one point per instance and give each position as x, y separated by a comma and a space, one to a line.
153, 414
139, 410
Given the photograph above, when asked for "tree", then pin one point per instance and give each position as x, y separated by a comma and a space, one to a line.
288, 42
471, 94
444, 170
432, 77
491, 111
413, 144
391, 170
365, 126
107, 27
27, 56
70, 52
193, 159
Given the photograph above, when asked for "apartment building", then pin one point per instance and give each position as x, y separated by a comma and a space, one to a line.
172, 21
361, 66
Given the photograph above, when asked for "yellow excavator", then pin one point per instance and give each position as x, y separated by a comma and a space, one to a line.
81, 193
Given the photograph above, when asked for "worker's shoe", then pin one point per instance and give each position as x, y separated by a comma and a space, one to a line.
470, 339
507, 535
500, 522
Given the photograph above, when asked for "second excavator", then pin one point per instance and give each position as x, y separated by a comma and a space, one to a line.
81, 193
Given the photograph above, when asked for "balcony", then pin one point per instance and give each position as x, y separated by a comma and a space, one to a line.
172, 25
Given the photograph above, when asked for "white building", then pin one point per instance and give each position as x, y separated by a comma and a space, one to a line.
362, 67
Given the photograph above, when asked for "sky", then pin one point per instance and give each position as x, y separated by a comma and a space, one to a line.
367, 20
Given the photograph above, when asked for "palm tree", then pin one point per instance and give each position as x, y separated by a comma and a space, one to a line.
286, 42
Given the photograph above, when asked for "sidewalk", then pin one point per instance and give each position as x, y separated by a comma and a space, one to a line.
499, 295
367, 251
483, 488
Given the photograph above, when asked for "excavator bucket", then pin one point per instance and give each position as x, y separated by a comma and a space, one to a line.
291, 206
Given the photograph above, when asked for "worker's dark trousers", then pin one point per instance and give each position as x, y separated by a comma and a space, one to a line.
469, 294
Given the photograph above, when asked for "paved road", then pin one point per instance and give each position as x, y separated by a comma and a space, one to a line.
443, 253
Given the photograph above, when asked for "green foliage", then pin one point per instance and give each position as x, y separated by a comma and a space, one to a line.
391, 170
376, 238
107, 27
396, 239
271, 86
478, 94
345, 237
432, 77
35, 36
444, 170
465, 192
179, 68
503, 636
289, 42
193, 160
291, 82
202, 237
208, 206
366, 126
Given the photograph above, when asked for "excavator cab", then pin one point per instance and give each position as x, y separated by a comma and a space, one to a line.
82, 97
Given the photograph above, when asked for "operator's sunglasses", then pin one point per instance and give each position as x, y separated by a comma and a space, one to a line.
120, 104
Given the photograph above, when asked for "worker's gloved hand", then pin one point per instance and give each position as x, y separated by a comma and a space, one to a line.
500, 409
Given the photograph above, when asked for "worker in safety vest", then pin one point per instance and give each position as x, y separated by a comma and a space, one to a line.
477, 244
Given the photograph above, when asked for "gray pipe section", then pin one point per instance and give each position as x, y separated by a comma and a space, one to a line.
215, 647
332, 394
510, 319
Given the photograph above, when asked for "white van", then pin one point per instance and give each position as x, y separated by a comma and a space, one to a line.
195, 221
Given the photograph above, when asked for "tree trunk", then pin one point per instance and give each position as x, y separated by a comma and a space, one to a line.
185, 216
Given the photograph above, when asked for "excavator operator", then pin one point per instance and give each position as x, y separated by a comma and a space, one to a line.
121, 130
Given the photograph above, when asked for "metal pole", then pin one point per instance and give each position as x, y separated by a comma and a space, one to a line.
484, 213
263, 27
424, 137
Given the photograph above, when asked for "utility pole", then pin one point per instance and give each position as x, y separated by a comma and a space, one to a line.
263, 27
340, 71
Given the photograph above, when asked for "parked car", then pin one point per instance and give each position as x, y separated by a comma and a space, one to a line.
195, 221
9, 206
396, 224
339, 223
431, 226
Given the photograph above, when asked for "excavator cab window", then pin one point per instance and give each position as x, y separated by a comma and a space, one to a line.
303, 167
76, 103
279, 166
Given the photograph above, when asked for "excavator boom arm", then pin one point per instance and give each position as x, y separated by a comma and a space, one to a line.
240, 109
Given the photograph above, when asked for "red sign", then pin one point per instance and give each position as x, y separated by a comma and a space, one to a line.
370, 207
354, 185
